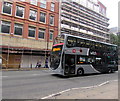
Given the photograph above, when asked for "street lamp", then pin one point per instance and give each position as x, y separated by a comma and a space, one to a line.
46, 53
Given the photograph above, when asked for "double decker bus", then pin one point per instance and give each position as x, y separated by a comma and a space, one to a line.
74, 55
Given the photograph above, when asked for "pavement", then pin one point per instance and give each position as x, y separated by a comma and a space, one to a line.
106, 90
23, 69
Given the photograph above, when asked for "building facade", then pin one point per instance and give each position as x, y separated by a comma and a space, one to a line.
28, 28
85, 18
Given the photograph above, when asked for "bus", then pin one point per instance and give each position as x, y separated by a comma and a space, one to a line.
74, 55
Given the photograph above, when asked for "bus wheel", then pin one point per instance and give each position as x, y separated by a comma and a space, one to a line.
110, 70
80, 72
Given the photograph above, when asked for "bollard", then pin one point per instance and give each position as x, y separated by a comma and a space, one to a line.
19, 67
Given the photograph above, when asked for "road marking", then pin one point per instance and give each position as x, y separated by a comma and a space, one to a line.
59, 93
35, 74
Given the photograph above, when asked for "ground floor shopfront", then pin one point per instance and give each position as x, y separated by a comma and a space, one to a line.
14, 58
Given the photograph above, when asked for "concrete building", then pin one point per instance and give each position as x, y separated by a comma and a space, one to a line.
85, 18
27, 29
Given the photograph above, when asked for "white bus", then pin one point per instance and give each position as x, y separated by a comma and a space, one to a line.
74, 55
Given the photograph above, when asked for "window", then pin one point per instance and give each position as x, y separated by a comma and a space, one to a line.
42, 17
88, 43
71, 42
33, 15
18, 29
41, 33
34, 2
20, 11
51, 20
52, 6
7, 8
22, 0
5, 27
81, 43
43, 3
31, 32
98, 61
51, 35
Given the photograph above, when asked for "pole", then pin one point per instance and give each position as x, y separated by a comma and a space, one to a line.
7, 57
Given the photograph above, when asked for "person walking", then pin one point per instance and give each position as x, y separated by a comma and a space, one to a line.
46, 63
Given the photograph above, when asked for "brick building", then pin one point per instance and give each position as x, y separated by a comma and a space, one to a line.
27, 29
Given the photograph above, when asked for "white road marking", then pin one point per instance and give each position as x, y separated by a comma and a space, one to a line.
35, 74
59, 93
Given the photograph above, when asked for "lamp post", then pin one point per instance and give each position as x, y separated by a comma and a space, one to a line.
46, 52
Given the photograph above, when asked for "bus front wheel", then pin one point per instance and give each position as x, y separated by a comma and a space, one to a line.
80, 72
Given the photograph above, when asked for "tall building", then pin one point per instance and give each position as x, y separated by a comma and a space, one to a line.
85, 18
27, 29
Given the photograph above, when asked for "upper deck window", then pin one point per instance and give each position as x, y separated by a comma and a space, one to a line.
71, 42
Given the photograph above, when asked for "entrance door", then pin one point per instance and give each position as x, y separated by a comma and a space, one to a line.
69, 64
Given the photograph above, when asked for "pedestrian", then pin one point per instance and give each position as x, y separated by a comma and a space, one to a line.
46, 63
39, 64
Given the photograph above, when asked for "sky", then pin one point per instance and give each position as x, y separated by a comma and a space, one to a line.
112, 11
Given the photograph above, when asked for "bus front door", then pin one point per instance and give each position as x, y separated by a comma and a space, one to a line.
69, 64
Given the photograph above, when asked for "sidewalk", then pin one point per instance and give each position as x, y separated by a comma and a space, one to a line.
24, 69
108, 90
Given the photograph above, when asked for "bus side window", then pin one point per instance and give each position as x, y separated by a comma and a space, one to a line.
82, 43
78, 43
71, 42
91, 60
98, 61
87, 45
92, 45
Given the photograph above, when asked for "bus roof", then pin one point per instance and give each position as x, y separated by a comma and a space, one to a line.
90, 39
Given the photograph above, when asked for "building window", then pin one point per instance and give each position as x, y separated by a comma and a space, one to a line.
31, 31
41, 33
22, 0
43, 3
42, 17
5, 27
7, 8
33, 15
33, 2
18, 29
51, 35
51, 20
52, 6
20, 11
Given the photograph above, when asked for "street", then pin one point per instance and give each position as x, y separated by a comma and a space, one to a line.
37, 84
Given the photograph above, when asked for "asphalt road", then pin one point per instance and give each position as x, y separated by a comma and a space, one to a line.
37, 84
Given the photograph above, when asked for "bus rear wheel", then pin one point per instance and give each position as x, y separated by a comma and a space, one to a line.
110, 70
80, 72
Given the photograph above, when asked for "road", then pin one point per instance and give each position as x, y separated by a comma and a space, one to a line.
36, 84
